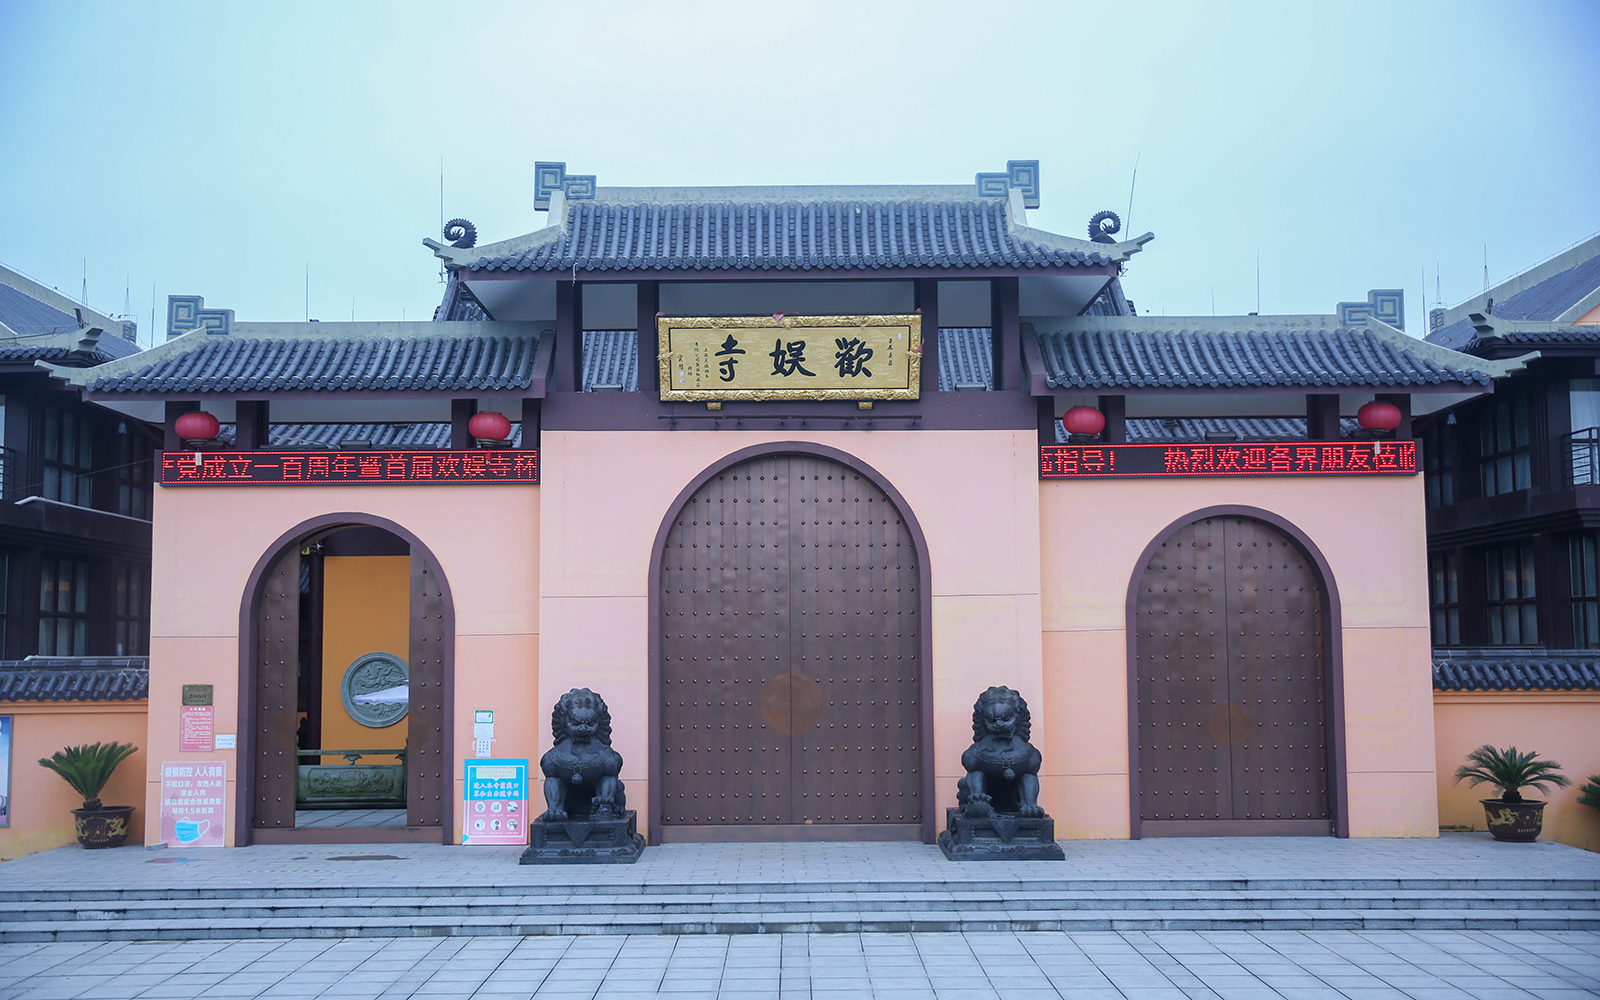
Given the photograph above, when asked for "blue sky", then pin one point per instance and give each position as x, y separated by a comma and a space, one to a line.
222, 149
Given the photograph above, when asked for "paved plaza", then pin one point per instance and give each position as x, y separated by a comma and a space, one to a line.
1173, 965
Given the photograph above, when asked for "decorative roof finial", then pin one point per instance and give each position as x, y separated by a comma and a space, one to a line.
1102, 225
461, 233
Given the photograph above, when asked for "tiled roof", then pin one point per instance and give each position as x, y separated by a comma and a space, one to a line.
76, 678
45, 333
1457, 336
1516, 670
611, 358
1554, 295
966, 358
1150, 430
395, 436
1230, 352
330, 357
31, 318
842, 234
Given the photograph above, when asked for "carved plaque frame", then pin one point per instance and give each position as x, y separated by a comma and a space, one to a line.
904, 371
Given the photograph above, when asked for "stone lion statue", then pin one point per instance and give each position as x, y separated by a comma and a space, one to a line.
580, 771
1002, 766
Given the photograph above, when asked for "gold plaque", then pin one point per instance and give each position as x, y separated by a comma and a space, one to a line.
790, 357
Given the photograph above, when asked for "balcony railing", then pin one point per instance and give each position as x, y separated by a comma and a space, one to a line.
1582, 449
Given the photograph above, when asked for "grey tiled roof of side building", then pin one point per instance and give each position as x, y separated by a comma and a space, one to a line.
75, 678
1502, 669
1226, 352
1159, 430
844, 234
338, 357
610, 360
393, 436
1554, 295
45, 333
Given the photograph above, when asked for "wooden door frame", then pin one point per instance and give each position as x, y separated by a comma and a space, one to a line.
924, 609
250, 605
1332, 660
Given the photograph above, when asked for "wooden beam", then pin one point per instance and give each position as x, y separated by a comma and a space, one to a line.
927, 300
649, 298
1322, 416
1115, 410
250, 424
461, 412
174, 410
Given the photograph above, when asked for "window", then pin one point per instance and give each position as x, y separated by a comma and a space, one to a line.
1585, 592
68, 457
1444, 598
63, 606
133, 609
1439, 465
1513, 614
133, 474
1503, 433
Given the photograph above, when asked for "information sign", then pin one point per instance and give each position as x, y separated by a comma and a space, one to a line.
348, 468
6, 724
1248, 458
495, 802
196, 727
193, 803
790, 357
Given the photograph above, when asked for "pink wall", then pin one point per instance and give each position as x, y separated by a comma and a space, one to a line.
605, 495
1371, 531
1563, 726
41, 802
207, 540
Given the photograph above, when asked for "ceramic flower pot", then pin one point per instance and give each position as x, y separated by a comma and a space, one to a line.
103, 827
1516, 822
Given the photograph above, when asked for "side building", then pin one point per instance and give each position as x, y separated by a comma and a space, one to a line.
1513, 494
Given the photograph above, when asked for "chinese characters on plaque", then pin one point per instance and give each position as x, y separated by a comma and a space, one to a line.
794, 357
301, 468
1264, 458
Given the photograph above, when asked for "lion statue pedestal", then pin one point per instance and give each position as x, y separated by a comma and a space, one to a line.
586, 821
998, 817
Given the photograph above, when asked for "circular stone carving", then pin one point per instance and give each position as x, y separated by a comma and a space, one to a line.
791, 703
1229, 724
370, 674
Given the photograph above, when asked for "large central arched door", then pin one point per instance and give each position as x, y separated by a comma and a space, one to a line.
790, 668
1232, 706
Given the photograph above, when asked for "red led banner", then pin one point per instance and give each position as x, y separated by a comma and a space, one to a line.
1253, 458
301, 468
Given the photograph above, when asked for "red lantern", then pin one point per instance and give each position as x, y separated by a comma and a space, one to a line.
1085, 420
1379, 416
489, 427
196, 426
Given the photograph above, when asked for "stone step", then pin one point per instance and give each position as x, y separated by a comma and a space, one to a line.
559, 886
793, 921
662, 904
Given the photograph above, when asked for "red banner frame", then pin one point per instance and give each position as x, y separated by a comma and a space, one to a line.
1234, 458
517, 466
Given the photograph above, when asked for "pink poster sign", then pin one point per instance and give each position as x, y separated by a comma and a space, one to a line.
193, 810
196, 728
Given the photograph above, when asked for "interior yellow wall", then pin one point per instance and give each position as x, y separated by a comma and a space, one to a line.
366, 608
41, 801
1563, 726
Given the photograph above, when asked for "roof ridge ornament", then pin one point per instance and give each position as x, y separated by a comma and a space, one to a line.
462, 234
1103, 225
1020, 174
189, 312
549, 178
1387, 305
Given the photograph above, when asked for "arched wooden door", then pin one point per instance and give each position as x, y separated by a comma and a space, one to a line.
1232, 706
790, 668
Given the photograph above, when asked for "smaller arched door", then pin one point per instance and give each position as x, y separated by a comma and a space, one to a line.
1232, 703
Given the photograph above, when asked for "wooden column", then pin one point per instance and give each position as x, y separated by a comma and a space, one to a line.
1045, 406
1402, 401
1005, 333
1322, 416
1115, 410
566, 364
171, 441
928, 304
250, 425
530, 423
649, 339
461, 411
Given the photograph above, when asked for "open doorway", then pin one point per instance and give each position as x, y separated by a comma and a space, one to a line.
350, 653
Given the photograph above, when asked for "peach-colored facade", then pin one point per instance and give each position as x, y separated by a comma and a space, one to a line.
41, 802
1029, 583
1563, 726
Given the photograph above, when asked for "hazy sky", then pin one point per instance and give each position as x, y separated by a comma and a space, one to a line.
221, 148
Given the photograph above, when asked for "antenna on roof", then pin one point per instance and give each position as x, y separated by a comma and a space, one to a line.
308, 291
1258, 282
84, 298
1129, 213
1486, 267
441, 209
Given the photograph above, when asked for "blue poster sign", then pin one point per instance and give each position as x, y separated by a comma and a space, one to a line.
5, 770
495, 801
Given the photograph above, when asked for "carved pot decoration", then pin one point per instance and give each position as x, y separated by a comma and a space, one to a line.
375, 689
103, 827
1514, 822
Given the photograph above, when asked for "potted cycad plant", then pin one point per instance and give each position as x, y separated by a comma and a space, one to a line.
87, 769
1589, 793
1511, 817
